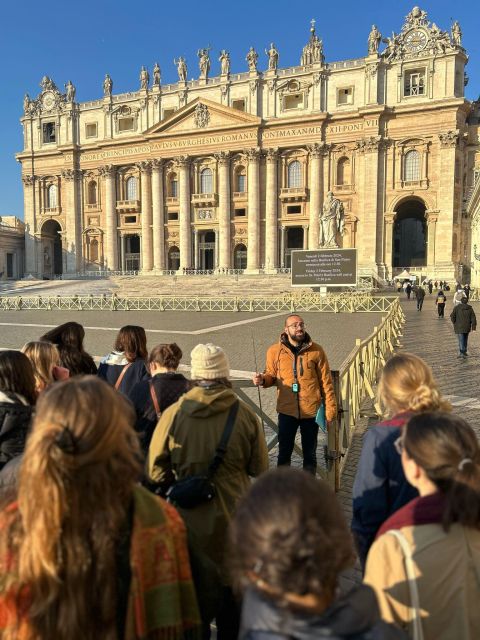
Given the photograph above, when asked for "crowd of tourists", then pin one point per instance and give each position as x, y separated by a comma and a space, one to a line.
128, 509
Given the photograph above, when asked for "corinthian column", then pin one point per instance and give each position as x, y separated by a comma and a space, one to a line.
72, 220
253, 231
315, 151
146, 204
108, 172
223, 247
271, 199
30, 224
158, 216
183, 165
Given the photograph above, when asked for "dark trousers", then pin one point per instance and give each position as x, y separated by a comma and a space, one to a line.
227, 618
287, 430
462, 342
441, 309
420, 303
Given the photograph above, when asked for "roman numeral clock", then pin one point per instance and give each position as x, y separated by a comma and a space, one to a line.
416, 40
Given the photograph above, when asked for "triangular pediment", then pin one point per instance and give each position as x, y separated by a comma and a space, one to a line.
202, 115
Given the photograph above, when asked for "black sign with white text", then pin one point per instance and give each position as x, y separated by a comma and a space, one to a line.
324, 268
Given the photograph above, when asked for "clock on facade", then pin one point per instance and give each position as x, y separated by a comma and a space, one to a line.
48, 101
416, 40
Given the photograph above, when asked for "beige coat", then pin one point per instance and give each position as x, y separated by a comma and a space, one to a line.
448, 578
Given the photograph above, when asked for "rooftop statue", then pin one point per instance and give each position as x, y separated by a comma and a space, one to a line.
272, 54
252, 59
204, 62
107, 85
144, 78
181, 68
156, 75
224, 60
374, 39
70, 91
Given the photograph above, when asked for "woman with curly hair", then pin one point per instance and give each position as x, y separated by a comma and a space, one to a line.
290, 542
68, 338
86, 553
406, 388
45, 360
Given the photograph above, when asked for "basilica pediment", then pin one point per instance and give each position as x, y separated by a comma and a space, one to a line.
203, 115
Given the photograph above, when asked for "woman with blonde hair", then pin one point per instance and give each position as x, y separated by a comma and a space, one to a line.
86, 553
45, 359
406, 387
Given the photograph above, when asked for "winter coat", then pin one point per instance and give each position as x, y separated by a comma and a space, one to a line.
457, 297
463, 318
420, 293
380, 486
112, 366
168, 386
447, 567
184, 444
313, 376
15, 416
352, 616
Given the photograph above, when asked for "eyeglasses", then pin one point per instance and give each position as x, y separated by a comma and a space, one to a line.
399, 445
301, 325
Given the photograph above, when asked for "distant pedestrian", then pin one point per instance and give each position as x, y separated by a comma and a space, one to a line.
467, 290
430, 287
420, 296
408, 290
125, 365
464, 321
440, 301
436, 284
457, 297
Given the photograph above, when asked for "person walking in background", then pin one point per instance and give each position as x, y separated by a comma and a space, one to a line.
125, 365
45, 360
299, 368
68, 338
86, 552
289, 545
420, 296
430, 287
184, 444
467, 290
464, 320
408, 290
151, 397
457, 296
406, 387
439, 531
440, 301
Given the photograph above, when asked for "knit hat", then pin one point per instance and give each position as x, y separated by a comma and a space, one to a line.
209, 362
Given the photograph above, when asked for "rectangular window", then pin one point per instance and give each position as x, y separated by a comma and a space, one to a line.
49, 134
241, 183
91, 130
125, 124
293, 102
345, 96
130, 219
240, 213
239, 104
414, 84
173, 215
294, 208
167, 113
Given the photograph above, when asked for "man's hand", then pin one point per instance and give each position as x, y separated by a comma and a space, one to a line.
258, 379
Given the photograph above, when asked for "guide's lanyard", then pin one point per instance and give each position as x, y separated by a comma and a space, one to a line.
295, 386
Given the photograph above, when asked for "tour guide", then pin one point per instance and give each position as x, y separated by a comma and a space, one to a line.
299, 369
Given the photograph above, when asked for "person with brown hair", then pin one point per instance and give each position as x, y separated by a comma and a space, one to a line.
68, 338
86, 553
425, 562
45, 360
289, 544
406, 387
125, 365
151, 397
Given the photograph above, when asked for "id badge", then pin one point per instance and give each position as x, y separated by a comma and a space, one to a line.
295, 387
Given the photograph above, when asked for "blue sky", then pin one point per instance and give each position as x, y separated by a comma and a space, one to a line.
81, 41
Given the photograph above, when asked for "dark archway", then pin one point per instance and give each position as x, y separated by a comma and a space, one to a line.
293, 240
410, 235
240, 257
206, 247
52, 251
174, 259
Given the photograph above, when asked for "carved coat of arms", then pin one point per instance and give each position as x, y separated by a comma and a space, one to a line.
202, 115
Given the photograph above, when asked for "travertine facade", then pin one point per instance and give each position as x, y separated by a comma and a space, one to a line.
232, 171
12, 250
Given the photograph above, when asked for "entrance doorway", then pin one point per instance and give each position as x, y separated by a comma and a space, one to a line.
52, 250
206, 250
174, 259
410, 235
240, 257
132, 253
293, 240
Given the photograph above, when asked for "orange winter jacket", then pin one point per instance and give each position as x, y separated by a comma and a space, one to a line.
313, 377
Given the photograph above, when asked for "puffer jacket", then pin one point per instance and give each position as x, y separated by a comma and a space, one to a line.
15, 416
463, 318
313, 376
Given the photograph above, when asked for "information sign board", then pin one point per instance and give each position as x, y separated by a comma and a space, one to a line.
324, 268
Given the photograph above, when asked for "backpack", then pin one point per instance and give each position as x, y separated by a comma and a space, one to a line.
440, 299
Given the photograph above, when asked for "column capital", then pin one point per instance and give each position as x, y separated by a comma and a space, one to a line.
389, 218
28, 180
253, 154
271, 155
432, 215
449, 139
181, 161
145, 166
318, 149
222, 157
71, 174
369, 145
107, 170
157, 163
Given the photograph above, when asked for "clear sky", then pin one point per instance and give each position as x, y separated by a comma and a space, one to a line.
81, 41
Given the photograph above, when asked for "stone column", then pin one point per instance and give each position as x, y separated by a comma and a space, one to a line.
432, 219
222, 248
271, 200
388, 221
305, 236
73, 236
183, 166
369, 234
253, 231
283, 231
158, 215
146, 204
195, 249
111, 252
449, 220
30, 224
315, 151
215, 253
123, 266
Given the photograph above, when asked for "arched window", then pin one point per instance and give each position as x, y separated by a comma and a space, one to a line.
206, 181
131, 188
173, 185
294, 177
241, 180
92, 192
52, 200
240, 257
412, 166
94, 250
343, 171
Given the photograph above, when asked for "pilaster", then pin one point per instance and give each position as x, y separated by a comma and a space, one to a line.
145, 168
73, 233
183, 166
111, 253
253, 231
223, 245
30, 224
271, 215
158, 214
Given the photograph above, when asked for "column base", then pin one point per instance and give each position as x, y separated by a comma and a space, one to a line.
252, 272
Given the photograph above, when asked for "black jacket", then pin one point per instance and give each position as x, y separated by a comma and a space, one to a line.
15, 415
168, 388
111, 367
463, 318
354, 616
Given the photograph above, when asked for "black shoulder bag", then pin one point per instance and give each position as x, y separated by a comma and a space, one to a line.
192, 491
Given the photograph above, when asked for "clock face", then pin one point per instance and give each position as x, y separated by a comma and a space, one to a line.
48, 101
416, 40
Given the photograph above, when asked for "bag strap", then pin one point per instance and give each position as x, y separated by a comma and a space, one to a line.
417, 629
222, 445
122, 373
153, 395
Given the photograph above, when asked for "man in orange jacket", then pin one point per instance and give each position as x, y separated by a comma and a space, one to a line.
299, 369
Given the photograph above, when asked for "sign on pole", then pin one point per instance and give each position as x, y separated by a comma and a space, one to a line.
324, 268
